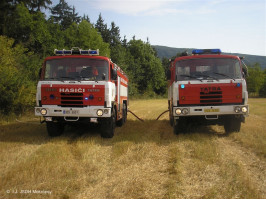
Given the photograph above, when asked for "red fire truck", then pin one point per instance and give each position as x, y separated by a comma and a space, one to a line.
80, 86
207, 87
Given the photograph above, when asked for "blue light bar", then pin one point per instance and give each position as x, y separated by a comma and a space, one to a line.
206, 51
84, 52
62, 52
89, 52
182, 86
94, 52
216, 51
76, 50
197, 51
67, 52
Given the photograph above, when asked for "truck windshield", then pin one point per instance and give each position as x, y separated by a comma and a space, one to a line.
76, 69
208, 68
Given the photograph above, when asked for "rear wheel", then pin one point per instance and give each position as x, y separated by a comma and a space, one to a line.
55, 128
124, 116
108, 125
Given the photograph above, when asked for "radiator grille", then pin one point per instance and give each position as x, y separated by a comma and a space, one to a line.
211, 97
71, 99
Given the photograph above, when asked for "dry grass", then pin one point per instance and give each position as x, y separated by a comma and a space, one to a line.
143, 160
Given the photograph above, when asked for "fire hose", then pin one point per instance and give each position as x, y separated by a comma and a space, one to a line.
135, 115
162, 114
142, 119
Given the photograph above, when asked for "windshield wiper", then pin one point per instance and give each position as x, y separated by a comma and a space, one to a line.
208, 76
66, 77
189, 76
225, 75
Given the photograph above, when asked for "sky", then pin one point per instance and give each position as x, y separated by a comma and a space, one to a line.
236, 26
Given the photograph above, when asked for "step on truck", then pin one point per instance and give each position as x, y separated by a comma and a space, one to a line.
207, 87
79, 86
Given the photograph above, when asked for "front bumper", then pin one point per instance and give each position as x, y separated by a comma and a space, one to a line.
211, 110
57, 111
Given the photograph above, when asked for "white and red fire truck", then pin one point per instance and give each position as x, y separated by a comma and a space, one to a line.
207, 87
80, 86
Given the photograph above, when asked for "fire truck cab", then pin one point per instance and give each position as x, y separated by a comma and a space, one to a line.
207, 87
80, 86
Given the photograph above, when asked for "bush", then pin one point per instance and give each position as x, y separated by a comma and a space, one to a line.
16, 89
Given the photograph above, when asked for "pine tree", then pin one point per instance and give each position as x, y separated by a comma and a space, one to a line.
102, 29
37, 5
63, 14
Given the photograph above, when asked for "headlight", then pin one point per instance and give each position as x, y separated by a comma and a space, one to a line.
43, 111
237, 109
178, 111
185, 111
244, 109
99, 112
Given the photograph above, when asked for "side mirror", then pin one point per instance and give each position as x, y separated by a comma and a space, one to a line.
103, 76
168, 75
245, 72
40, 73
114, 74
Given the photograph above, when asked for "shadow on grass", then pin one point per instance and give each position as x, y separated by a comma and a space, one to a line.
24, 133
134, 131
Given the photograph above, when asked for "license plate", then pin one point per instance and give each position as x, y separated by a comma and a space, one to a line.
212, 110
70, 112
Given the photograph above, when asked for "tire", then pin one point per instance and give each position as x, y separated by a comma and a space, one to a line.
122, 121
175, 127
180, 126
108, 126
232, 124
55, 128
171, 118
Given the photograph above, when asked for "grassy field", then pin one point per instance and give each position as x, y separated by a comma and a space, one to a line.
142, 160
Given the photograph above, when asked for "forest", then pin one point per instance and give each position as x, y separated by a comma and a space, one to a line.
27, 36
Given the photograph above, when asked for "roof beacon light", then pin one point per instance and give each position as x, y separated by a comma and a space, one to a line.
206, 51
89, 52
62, 52
76, 51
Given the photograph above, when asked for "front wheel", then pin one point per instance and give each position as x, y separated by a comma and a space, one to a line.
180, 125
232, 124
171, 118
55, 128
108, 125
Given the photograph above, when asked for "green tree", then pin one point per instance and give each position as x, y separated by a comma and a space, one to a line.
63, 14
165, 64
37, 5
17, 91
7, 8
33, 30
262, 91
146, 69
255, 79
85, 36
86, 18
102, 29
